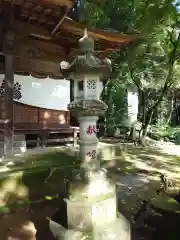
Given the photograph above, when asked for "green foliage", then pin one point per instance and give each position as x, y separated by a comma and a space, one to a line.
151, 62
108, 14
117, 101
163, 113
167, 132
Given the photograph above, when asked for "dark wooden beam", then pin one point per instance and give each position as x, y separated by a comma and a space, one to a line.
37, 40
42, 50
24, 29
68, 3
49, 51
54, 3
9, 45
37, 66
8, 106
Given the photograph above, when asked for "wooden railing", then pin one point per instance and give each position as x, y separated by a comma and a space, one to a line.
56, 137
46, 134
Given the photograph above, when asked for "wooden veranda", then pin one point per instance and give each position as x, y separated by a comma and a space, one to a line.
36, 36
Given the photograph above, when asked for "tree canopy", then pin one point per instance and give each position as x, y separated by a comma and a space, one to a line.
151, 62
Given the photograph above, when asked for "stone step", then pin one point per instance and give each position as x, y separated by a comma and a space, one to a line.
19, 144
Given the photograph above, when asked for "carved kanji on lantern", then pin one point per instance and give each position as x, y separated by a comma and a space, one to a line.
92, 154
91, 130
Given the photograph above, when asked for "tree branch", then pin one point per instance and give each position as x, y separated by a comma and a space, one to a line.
171, 38
174, 53
167, 83
178, 56
134, 81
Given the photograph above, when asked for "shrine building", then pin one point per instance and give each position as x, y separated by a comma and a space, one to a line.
36, 36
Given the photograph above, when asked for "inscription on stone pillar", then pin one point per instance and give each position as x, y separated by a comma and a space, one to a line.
88, 129
92, 154
91, 130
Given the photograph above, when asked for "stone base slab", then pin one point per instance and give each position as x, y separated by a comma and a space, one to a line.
120, 229
92, 211
19, 144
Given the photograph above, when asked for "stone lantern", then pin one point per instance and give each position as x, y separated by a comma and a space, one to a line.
87, 71
91, 202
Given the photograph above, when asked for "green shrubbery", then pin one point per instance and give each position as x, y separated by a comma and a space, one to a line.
168, 133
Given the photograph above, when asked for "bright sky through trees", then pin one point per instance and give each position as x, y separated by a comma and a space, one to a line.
177, 4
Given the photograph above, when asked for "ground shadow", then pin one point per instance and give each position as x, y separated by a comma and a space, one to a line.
34, 193
30, 195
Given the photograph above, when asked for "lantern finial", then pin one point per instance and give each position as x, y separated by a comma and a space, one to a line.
86, 43
86, 33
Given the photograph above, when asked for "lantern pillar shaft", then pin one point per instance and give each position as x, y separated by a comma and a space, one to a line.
88, 141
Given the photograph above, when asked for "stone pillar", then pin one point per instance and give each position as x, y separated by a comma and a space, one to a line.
88, 139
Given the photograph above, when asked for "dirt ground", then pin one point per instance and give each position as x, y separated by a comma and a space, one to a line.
29, 222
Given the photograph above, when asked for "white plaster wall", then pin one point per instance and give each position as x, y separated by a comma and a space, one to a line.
44, 93
133, 102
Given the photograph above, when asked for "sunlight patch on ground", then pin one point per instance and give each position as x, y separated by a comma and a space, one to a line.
171, 149
12, 189
29, 226
139, 163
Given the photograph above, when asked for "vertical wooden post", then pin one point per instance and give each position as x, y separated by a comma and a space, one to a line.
8, 106
9, 47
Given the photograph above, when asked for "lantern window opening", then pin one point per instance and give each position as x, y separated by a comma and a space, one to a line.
91, 83
81, 85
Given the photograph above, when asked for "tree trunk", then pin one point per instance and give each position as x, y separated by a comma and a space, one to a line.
145, 125
107, 98
133, 131
176, 110
143, 106
171, 109
151, 111
144, 129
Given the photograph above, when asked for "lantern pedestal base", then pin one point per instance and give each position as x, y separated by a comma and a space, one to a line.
117, 230
92, 211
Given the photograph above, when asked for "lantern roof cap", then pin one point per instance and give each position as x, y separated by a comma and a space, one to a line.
86, 62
